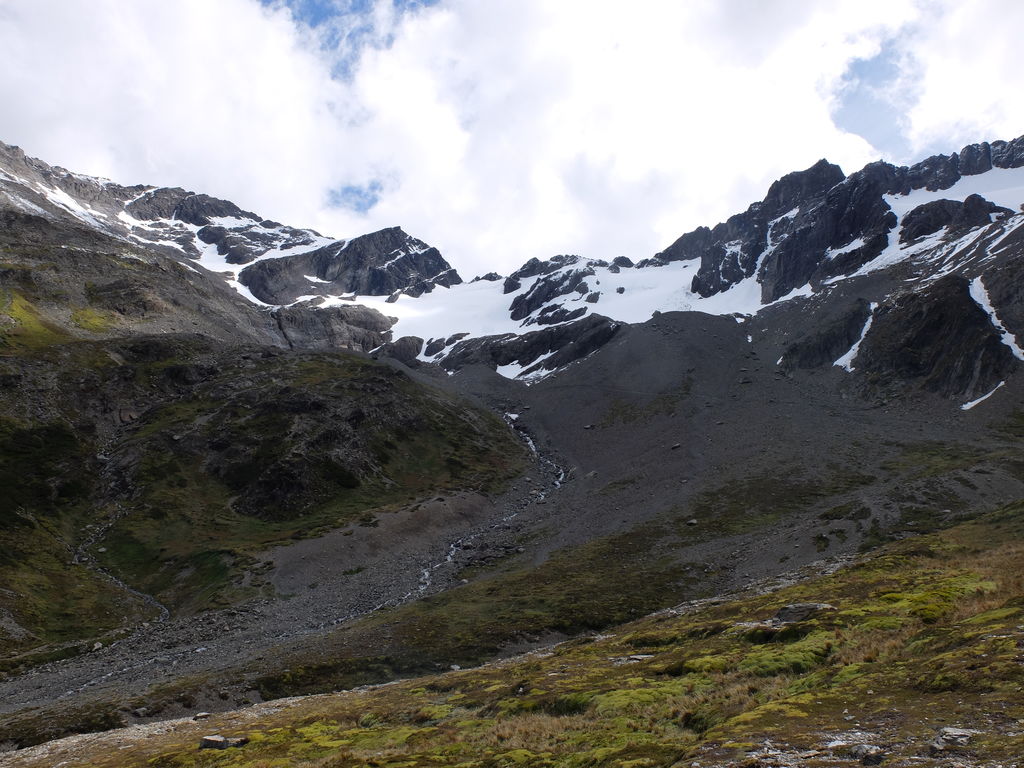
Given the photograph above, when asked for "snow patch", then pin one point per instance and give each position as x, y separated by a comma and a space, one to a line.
983, 398
846, 361
981, 298
63, 200
26, 206
853, 245
230, 222
515, 370
1002, 186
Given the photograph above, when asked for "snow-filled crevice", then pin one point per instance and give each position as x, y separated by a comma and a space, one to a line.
846, 361
980, 296
983, 398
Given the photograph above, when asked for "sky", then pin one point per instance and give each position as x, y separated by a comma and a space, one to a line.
500, 130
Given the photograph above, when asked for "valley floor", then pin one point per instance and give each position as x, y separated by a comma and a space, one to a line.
910, 656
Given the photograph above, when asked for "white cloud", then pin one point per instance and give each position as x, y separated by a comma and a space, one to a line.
498, 131
961, 66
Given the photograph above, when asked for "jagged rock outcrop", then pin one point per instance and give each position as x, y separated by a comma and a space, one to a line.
732, 251
377, 264
549, 288
939, 340
562, 344
829, 341
357, 328
817, 224
177, 203
975, 211
405, 350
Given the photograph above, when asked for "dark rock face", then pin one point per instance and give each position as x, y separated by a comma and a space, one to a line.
356, 327
176, 203
405, 350
549, 288
929, 218
1008, 154
939, 340
433, 347
795, 189
731, 251
839, 225
934, 173
378, 264
979, 158
569, 342
827, 343
553, 314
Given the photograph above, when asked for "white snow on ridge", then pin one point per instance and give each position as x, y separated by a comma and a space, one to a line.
983, 398
853, 245
846, 361
482, 309
1009, 227
63, 200
231, 222
515, 370
980, 296
1003, 186
29, 207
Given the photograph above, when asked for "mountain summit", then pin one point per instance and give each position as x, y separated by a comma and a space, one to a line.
244, 461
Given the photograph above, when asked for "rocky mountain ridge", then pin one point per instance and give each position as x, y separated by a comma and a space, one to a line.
813, 229
313, 519
222, 237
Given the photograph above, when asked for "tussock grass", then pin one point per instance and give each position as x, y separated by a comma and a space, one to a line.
924, 633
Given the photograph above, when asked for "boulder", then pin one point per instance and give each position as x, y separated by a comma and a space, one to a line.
794, 612
949, 739
405, 350
216, 741
868, 754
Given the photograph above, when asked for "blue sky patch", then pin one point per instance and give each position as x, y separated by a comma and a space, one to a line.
866, 106
356, 198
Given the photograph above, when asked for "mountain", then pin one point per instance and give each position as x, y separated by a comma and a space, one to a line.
245, 461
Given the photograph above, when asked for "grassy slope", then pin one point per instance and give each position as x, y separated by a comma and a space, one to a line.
188, 517
185, 530
619, 577
608, 581
924, 633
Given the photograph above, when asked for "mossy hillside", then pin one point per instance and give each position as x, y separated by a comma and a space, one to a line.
924, 634
279, 448
603, 583
759, 500
184, 527
23, 328
93, 320
48, 489
580, 589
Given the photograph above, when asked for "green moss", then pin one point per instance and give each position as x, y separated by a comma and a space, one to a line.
760, 500
932, 459
591, 704
23, 328
92, 320
800, 656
